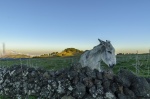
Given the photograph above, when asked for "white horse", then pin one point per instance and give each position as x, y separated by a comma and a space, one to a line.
102, 52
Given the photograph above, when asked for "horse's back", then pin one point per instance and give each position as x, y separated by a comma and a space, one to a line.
90, 59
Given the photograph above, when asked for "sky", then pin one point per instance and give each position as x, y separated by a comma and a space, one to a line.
44, 26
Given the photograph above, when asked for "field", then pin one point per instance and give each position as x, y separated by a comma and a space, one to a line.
138, 63
46, 63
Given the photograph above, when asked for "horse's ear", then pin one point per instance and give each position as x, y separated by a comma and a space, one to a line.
101, 42
107, 41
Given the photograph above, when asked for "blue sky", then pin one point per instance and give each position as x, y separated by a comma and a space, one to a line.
43, 26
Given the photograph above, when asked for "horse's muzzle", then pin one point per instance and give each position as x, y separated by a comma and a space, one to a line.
111, 66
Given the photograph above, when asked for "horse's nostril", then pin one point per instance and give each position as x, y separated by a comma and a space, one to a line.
111, 66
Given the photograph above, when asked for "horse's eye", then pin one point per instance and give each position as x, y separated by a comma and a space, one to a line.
109, 52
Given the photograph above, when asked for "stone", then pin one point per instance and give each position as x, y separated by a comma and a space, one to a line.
109, 95
106, 85
120, 88
72, 74
108, 75
73, 83
99, 75
46, 75
81, 76
79, 90
87, 96
93, 91
88, 82
75, 80
75, 67
90, 73
130, 93
148, 80
125, 77
122, 96
114, 87
67, 97
141, 87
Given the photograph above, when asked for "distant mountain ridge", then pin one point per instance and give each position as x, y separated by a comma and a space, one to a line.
16, 56
66, 52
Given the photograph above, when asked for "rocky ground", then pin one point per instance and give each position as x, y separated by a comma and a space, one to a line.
72, 83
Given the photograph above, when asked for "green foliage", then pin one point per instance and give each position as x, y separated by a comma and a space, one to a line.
53, 54
32, 97
44, 55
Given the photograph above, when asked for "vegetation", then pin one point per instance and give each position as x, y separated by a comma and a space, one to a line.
138, 63
70, 52
47, 63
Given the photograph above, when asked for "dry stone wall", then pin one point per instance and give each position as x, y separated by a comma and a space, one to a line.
71, 83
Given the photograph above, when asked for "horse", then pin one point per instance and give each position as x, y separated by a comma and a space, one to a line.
103, 52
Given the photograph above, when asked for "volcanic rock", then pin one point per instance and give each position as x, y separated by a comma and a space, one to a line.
75, 82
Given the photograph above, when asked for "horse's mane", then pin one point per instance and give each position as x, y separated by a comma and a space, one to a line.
97, 49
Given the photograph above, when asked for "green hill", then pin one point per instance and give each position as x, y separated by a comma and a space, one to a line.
70, 52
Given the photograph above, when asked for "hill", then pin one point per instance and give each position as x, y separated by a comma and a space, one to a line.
70, 52
65, 53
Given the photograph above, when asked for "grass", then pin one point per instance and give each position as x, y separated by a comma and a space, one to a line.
3, 97
139, 64
123, 61
47, 63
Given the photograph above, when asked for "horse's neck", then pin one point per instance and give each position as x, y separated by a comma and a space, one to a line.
96, 53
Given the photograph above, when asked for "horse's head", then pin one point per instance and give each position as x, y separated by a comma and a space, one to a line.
107, 53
